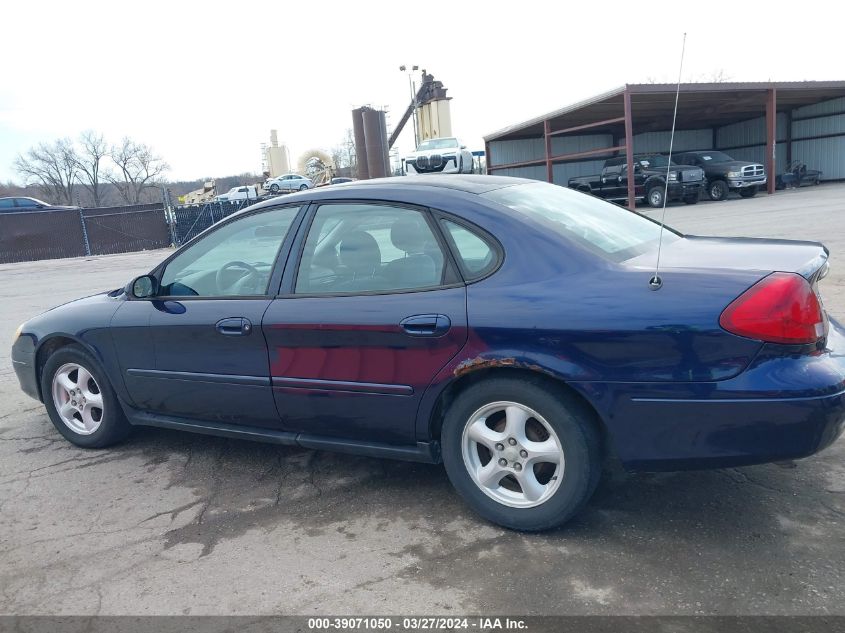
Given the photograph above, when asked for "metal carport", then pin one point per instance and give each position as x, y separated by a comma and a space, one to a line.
761, 121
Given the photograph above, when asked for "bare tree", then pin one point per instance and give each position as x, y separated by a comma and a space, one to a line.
343, 155
53, 168
138, 169
93, 149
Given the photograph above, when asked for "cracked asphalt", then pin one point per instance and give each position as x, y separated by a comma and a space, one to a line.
172, 523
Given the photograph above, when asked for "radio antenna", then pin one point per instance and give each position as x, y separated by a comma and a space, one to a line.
656, 283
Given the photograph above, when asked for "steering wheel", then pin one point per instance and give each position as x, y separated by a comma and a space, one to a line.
251, 272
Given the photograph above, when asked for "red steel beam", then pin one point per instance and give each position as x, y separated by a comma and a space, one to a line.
586, 126
629, 149
771, 137
547, 127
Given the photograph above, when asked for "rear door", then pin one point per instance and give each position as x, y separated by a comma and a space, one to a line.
368, 316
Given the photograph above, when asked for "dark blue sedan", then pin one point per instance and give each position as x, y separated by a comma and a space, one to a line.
506, 327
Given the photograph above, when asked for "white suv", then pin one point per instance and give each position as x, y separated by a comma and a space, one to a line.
288, 182
439, 156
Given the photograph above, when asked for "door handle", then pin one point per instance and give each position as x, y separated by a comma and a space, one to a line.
426, 325
234, 326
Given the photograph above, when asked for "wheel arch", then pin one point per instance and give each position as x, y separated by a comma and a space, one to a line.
495, 369
49, 345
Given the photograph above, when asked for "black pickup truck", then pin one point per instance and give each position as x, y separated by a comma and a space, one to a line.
685, 181
725, 174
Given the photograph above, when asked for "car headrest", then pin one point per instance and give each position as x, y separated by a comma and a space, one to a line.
360, 253
409, 235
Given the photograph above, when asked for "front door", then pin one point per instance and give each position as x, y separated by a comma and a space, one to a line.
196, 350
374, 311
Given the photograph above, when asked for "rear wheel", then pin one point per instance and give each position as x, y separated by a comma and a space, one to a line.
303, 187
520, 454
718, 190
80, 400
748, 192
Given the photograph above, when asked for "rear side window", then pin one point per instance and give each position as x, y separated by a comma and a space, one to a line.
475, 254
601, 227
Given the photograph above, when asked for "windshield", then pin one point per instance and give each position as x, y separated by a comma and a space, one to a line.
604, 228
715, 157
655, 160
438, 143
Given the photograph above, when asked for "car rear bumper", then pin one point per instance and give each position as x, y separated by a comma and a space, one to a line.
781, 407
24, 363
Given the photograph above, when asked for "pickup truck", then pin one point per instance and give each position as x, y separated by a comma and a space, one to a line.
725, 174
685, 181
245, 192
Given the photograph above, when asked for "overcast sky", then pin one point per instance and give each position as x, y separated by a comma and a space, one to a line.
204, 83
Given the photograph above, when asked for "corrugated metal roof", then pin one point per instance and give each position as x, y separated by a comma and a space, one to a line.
790, 93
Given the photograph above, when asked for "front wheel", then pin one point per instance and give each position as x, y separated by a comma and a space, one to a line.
274, 188
718, 190
748, 192
80, 400
522, 455
655, 196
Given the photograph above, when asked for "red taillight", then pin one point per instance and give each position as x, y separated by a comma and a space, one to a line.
781, 308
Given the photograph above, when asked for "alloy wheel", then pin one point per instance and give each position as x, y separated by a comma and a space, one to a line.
78, 399
512, 454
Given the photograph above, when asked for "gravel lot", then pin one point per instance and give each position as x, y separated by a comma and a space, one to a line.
172, 523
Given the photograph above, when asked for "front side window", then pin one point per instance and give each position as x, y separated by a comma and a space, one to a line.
235, 260
354, 248
601, 227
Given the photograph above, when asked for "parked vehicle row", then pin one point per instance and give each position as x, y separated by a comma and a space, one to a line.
650, 172
690, 174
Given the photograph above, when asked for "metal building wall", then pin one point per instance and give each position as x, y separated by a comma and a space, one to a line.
562, 172
685, 140
535, 172
746, 140
751, 132
516, 151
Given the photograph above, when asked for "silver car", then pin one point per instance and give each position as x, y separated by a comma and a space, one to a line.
288, 182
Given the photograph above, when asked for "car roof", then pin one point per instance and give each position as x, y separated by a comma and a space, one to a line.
470, 183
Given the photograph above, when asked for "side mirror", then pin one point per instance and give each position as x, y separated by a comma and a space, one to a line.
143, 287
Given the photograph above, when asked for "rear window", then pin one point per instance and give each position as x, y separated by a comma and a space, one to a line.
603, 228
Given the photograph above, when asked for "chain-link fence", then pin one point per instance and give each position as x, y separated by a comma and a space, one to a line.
188, 221
31, 235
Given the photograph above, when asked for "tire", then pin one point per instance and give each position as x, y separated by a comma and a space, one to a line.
748, 192
655, 196
61, 381
717, 190
303, 187
274, 188
541, 417
691, 199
